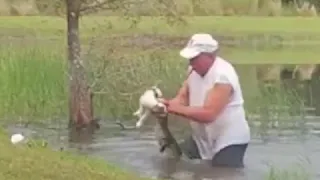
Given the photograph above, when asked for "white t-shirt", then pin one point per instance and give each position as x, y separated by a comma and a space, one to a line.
231, 126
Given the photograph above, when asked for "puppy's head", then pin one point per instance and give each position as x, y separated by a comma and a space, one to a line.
157, 91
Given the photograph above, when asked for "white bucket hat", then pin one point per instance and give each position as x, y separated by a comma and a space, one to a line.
197, 44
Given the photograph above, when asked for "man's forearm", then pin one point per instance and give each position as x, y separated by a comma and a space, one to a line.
182, 96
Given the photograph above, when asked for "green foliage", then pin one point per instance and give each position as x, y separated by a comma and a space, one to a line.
33, 82
37, 144
127, 76
33, 68
55, 7
172, 8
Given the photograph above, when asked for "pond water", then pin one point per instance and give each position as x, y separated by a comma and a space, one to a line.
292, 143
137, 151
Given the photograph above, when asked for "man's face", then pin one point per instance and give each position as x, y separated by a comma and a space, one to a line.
201, 63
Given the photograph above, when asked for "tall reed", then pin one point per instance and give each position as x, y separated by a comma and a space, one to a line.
32, 82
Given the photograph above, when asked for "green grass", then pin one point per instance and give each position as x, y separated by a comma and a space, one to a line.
22, 162
246, 56
281, 40
33, 66
35, 87
32, 82
91, 25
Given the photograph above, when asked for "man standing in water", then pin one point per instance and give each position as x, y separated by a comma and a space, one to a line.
211, 98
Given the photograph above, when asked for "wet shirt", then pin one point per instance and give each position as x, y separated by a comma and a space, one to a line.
231, 126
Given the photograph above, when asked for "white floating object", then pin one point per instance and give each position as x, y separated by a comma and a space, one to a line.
16, 138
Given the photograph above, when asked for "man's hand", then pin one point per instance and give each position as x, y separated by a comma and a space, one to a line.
164, 101
171, 105
160, 111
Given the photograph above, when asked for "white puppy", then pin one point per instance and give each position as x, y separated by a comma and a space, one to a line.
149, 101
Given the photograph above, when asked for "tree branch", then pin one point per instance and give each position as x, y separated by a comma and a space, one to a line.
99, 5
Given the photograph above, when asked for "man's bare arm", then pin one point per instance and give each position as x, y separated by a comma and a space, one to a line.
182, 96
218, 98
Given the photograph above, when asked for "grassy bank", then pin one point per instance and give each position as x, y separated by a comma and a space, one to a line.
19, 163
281, 40
104, 25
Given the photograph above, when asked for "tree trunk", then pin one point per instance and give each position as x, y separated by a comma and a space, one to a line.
80, 98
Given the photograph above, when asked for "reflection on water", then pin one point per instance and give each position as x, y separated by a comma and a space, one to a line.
137, 150
299, 84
